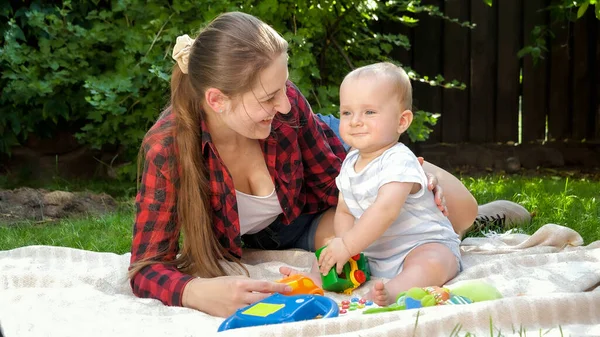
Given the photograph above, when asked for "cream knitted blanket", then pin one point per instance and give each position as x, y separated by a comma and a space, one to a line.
550, 281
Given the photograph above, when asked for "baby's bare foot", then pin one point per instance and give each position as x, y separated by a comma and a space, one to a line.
314, 276
380, 295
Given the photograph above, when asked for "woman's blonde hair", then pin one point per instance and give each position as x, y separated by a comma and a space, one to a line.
229, 55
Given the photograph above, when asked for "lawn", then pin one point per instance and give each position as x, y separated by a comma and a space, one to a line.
572, 202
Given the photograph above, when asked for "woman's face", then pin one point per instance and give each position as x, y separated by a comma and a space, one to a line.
251, 115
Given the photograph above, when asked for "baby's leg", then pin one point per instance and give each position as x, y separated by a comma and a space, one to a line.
431, 264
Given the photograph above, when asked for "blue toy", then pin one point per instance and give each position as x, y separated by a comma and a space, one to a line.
278, 308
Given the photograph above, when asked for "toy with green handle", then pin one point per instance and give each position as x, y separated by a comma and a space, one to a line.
356, 272
463, 293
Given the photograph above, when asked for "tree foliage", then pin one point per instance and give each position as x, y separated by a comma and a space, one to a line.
101, 69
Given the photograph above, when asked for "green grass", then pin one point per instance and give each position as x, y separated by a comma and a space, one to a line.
108, 233
103, 233
572, 202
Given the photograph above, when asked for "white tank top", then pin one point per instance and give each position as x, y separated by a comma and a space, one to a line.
257, 213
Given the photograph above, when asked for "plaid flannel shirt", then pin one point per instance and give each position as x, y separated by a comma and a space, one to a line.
302, 154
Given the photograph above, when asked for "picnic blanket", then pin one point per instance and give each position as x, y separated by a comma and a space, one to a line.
550, 282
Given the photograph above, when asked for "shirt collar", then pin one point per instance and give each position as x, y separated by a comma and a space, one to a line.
205, 134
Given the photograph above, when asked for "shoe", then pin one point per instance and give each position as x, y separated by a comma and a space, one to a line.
500, 215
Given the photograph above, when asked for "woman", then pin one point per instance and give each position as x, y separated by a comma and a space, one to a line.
237, 155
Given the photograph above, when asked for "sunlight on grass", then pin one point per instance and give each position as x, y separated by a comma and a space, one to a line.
572, 203
109, 233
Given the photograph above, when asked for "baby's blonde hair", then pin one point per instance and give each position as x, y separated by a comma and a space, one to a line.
398, 77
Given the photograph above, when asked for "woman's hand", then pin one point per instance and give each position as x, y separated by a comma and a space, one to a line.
438, 192
222, 296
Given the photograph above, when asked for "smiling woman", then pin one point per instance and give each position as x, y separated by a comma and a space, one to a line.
219, 148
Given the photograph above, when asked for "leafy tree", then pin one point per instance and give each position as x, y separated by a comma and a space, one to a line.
101, 69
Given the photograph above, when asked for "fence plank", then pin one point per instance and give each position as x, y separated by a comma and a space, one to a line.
534, 102
596, 104
427, 61
581, 77
509, 64
559, 110
483, 72
456, 63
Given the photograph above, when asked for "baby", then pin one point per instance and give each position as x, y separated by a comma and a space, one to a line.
385, 209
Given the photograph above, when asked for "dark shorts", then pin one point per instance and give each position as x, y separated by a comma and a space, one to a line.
300, 233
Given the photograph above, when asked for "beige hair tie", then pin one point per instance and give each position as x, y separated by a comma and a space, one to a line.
181, 51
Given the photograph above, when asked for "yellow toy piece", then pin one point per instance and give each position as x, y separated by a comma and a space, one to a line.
355, 283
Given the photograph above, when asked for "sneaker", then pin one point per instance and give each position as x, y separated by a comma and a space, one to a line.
500, 215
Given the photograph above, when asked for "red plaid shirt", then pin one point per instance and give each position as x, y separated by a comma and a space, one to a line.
302, 154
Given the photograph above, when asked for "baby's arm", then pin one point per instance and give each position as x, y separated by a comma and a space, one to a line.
335, 253
343, 220
373, 223
378, 217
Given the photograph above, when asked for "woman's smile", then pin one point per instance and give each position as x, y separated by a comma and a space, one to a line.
267, 121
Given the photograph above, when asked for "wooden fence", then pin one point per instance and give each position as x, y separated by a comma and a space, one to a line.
558, 98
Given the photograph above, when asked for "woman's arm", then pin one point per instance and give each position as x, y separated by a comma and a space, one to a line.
461, 205
156, 231
155, 238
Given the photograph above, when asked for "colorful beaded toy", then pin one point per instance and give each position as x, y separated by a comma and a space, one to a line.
354, 304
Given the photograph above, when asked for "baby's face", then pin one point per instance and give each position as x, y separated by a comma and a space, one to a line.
370, 113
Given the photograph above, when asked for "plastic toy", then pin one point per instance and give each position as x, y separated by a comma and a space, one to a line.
356, 272
278, 308
301, 285
354, 304
476, 290
464, 293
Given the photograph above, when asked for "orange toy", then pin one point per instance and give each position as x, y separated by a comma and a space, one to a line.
301, 285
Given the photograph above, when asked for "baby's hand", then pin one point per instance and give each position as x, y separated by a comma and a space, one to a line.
336, 254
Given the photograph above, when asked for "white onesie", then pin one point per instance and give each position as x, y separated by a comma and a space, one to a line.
419, 221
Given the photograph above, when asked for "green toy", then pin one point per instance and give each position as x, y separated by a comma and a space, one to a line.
463, 293
476, 290
356, 272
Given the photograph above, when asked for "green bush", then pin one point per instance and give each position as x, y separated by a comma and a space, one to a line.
101, 69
